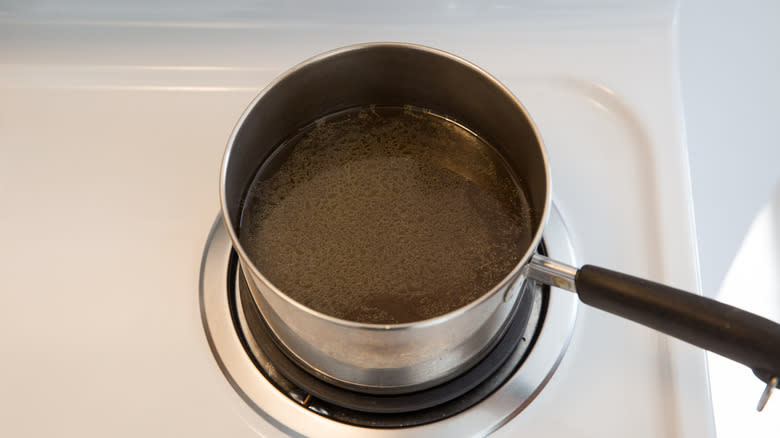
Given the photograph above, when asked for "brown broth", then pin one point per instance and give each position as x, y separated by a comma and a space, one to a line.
385, 215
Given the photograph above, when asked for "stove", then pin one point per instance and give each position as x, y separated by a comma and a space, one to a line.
122, 314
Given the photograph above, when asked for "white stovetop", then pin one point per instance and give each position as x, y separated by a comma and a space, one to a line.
112, 132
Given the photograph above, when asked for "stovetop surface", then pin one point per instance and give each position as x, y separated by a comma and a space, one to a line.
113, 124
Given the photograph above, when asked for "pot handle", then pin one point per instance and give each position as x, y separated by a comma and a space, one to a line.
728, 331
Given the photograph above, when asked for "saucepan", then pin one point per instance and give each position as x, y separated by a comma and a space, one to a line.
408, 357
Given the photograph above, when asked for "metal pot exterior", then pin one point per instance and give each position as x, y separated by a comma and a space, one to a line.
397, 357
386, 358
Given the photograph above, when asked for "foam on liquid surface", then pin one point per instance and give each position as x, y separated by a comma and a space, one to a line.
385, 215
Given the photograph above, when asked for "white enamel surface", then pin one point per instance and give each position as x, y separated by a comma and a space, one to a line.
730, 91
112, 126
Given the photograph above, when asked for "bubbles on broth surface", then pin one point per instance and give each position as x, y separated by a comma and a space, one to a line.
385, 215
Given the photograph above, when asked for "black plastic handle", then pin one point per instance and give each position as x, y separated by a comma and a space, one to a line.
709, 324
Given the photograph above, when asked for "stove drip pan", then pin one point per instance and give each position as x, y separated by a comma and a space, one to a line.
474, 403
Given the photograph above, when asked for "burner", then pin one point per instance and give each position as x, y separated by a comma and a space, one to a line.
290, 400
402, 410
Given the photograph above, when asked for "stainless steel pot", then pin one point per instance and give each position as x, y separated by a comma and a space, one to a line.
408, 357
369, 357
